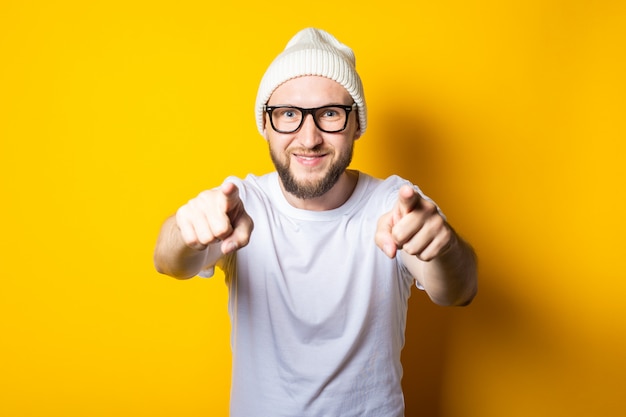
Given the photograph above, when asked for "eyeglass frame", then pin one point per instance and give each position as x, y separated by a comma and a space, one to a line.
269, 109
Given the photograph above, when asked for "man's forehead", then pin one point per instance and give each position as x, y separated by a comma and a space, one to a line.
311, 88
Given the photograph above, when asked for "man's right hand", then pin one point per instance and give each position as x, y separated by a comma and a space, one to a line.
216, 215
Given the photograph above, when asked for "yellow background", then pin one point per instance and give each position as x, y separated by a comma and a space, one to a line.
511, 115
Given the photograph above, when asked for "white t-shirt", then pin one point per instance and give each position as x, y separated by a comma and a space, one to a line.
318, 311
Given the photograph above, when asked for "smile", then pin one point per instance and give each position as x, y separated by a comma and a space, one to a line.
309, 160
308, 157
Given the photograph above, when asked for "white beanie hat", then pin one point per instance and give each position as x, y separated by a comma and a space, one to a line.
313, 52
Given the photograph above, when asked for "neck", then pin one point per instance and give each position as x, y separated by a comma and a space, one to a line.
335, 197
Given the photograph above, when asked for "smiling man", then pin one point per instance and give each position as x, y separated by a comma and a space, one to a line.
319, 259
313, 162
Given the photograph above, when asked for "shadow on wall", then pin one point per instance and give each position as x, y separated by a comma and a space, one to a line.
413, 150
424, 356
410, 146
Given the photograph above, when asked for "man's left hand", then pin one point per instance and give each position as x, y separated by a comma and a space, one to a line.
415, 226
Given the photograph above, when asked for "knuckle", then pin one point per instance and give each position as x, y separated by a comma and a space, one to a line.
192, 240
182, 212
411, 249
221, 230
398, 236
245, 239
426, 257
250, 224
437, 222
204, 236
429, 208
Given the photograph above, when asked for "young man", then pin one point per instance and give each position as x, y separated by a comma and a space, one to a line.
319, 259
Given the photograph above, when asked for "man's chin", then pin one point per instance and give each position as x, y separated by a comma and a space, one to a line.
305, 191
312, 182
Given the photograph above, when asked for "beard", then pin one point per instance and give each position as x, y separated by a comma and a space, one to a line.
310, 189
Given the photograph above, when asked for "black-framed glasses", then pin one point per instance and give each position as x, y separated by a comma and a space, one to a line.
332, 118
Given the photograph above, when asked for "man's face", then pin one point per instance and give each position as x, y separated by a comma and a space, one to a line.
309, 161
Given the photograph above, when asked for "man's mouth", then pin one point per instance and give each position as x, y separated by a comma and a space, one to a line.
308, 157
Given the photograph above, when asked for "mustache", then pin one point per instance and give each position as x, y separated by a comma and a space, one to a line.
315, 151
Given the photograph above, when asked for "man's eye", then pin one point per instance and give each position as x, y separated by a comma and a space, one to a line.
330, 113
288, 114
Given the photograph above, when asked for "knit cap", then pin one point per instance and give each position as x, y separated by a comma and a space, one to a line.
313, 52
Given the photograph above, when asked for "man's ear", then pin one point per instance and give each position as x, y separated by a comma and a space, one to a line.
265, 128
357, 133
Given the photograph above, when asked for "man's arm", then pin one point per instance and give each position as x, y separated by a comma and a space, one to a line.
450, 278
436, 256
173, 257
204, 230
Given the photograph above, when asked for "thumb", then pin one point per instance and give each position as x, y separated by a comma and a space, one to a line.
240, 237
383, 238
241, 223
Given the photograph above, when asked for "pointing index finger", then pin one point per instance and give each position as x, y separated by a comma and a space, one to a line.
408, 199
231, 192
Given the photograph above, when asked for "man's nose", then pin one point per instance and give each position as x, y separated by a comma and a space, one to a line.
309, 135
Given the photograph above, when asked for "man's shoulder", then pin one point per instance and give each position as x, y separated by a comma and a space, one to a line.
253, 181
392, 182
254, 187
